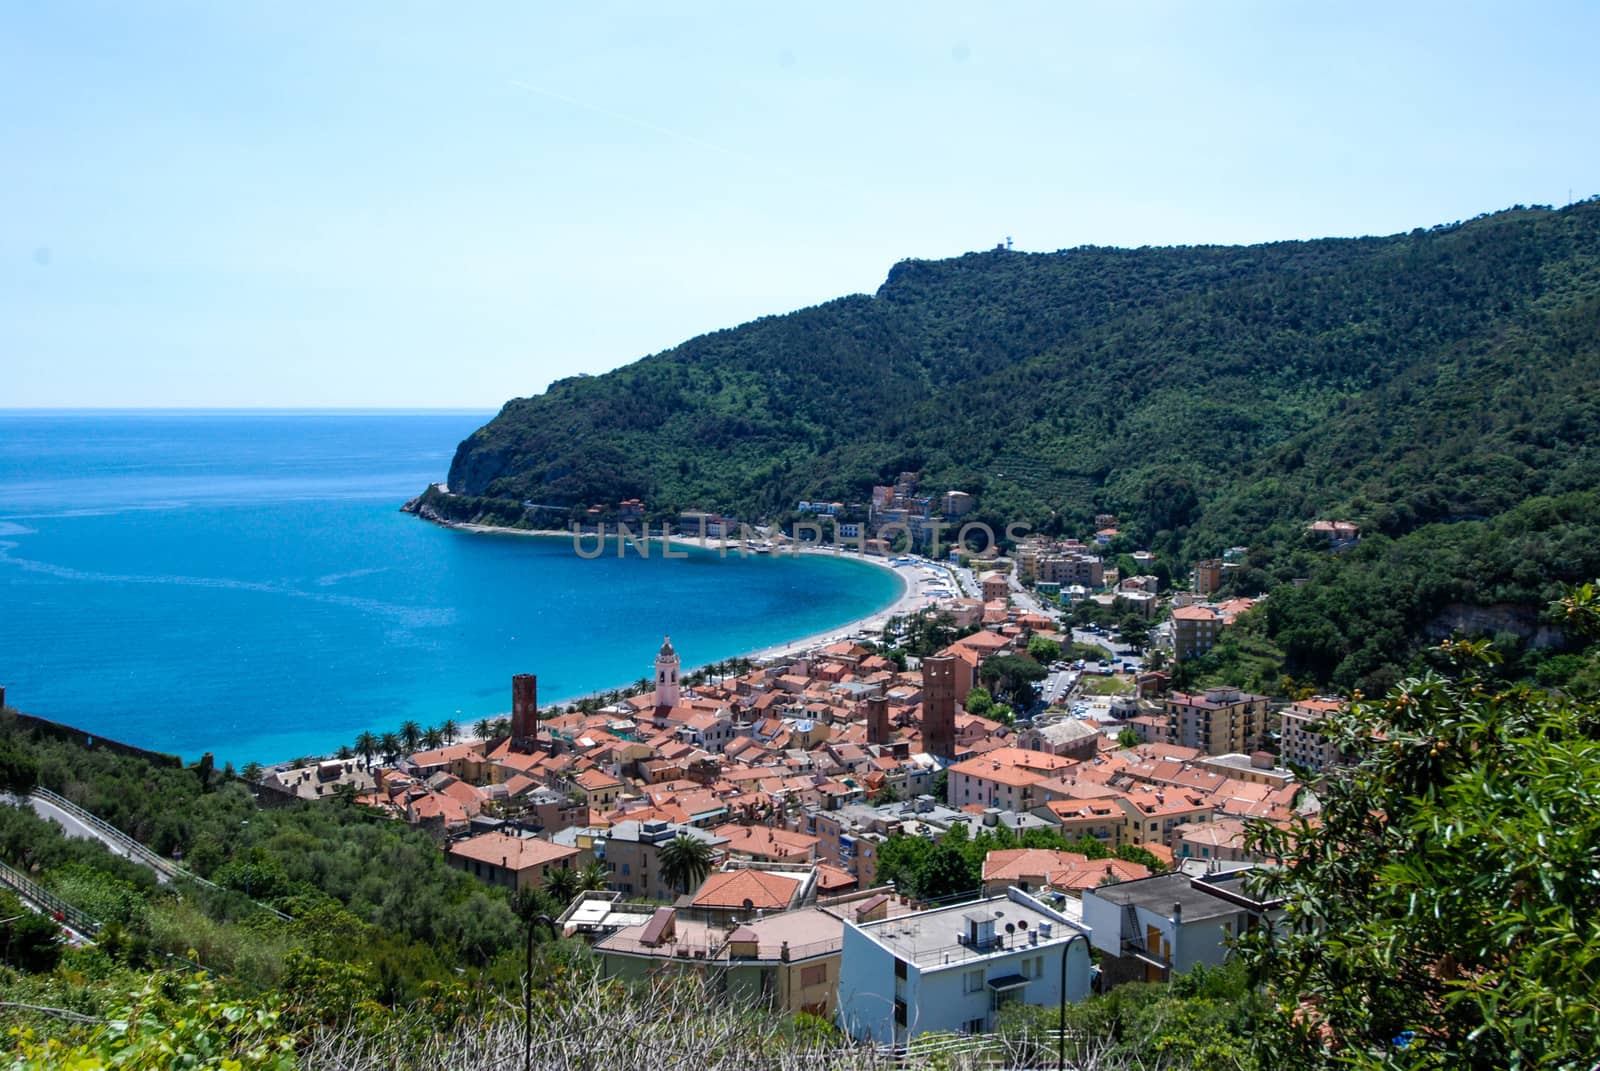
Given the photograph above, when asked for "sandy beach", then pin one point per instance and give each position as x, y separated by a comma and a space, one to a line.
914, 581
914, 576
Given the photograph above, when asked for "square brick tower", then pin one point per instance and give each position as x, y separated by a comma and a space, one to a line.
939, 707
524, 711
878, 730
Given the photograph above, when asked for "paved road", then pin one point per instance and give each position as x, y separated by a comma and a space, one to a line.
1028, 601
1100, 639
72, 827
1059, 685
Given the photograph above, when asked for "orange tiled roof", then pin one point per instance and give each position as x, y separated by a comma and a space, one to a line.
764, 890
766, 842
1012, 765
515, 853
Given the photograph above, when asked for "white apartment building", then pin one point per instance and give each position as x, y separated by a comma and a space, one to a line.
953, 968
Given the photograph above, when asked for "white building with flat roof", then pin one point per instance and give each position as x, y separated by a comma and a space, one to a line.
953, 968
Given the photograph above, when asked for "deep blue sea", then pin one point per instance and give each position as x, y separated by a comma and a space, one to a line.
243, 583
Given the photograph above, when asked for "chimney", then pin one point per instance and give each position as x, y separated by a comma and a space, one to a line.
524, 711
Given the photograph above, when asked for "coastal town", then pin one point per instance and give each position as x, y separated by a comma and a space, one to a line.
949, 537
773, 821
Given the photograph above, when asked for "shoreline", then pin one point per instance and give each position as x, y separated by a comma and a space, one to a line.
913, 595
912, 574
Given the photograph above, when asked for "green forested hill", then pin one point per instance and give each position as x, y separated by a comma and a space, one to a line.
1441, 388
1203, 394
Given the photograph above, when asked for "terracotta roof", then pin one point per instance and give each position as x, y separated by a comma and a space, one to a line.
1013, 766
981, 641
1223, 832
597, 779
1012, 864
514, 853
832, 879
437, 805
764, 890
1080, 810
441, 756
1060, 870
765, 841
1093, 872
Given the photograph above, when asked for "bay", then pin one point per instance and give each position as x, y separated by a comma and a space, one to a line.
243, 583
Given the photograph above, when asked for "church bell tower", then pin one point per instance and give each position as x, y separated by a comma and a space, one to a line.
667, 675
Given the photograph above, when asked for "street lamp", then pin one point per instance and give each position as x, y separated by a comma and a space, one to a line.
1061, 1019
527, 989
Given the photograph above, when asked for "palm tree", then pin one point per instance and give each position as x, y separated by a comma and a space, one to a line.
389, 746
484, 729
367, 745
251, 772
411, 733
449, 730
432, 737
593, 877
561, 885
685, 861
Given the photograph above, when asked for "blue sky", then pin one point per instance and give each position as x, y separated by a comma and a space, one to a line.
388, 204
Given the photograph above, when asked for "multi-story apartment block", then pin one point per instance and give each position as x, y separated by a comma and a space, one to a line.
1208, 576
1222, 720
1005, 777
1072, 568
1195, 630
1301, 743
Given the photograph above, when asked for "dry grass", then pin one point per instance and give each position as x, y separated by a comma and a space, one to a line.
680, 1024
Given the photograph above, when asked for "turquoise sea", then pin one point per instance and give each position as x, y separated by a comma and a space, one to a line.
243, 583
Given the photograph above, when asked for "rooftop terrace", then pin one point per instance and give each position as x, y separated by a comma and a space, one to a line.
939, 937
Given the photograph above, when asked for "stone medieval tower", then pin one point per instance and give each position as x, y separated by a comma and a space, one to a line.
939, 706
524, 711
